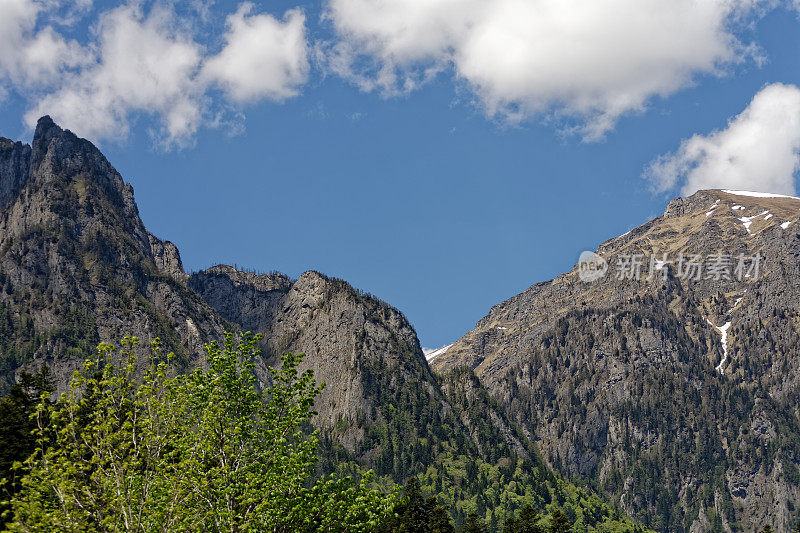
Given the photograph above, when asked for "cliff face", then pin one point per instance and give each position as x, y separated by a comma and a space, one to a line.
339, 329
676, 392
77, 265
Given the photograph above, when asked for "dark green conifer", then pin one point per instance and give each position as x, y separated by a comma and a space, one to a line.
474, 524
559, 523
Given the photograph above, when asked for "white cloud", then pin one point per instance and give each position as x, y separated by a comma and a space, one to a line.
29, 57
144, 64
758, 151
590, 59
263, 57
406, 40
139, 61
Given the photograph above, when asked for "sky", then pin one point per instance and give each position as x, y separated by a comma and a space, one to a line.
442, 155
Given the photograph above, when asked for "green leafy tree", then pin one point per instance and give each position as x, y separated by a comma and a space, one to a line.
205, 451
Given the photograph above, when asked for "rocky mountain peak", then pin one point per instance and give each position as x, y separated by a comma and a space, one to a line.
261, 282
78, 264
712, 203
611, 372
46, 130
168, 259
60, 154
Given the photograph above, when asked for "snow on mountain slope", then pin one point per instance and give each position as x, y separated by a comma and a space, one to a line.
759, 194
430, 353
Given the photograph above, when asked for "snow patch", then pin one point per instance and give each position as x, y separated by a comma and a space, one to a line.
737, 207
786, 224
759, 194
430, 353
711, 209
746, 221
723, 331
769, 216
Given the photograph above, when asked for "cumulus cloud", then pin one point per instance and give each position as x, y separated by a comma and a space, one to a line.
263, 57
31, 57
594, 60
148, 61
759, 150
143, 64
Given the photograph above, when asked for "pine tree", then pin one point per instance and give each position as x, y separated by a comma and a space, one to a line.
417, 514
559, 523
474, 524
17, 441
528, 521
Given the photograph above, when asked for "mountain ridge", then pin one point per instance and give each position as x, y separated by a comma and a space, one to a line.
609, 349
77, 266
623, 382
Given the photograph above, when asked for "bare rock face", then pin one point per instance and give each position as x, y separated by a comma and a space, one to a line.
167, 259
626, 380
339, 329
14, 161
77, 265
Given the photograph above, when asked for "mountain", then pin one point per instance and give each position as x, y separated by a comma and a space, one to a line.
383, 408
676, 398
671, 382
78, 266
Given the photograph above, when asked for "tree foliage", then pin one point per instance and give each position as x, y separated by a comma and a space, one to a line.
526, 522
415, 513
201, 451
16, 438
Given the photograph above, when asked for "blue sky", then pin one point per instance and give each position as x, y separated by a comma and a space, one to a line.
448, 188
